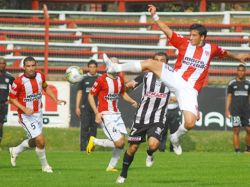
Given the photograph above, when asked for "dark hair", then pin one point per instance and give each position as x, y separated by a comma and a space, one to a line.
241, 65
28, 58
200, 28
161, 54
92, 62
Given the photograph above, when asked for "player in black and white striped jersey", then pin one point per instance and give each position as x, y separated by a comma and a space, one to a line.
150, 117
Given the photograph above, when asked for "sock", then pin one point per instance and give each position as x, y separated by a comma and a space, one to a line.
237, 150
181, 130
129, 67
150, 152
21, 147
127, 160
41, 156
104, 142
115, 158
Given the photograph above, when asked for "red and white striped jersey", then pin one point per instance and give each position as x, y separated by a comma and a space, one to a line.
28, 91
193, 61
108, 91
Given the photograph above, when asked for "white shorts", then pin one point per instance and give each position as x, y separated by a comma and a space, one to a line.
113, 126
186, 95
32, 124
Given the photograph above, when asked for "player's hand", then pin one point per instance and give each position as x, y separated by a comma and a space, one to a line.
242, 57
78, 112
98, 118
152, 9
131, 84
227, 114
60, 102
28, 111
134, 104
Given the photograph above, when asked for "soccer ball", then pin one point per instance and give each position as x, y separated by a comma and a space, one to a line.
74, 74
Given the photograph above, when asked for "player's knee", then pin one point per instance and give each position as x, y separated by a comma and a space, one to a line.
189, 123
40, 141
132, 149
119, 144
153, 145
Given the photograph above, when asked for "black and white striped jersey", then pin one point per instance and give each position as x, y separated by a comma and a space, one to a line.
154, 101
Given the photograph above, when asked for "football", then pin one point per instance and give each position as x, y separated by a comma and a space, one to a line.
74, 74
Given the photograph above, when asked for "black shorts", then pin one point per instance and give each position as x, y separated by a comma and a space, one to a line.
139, 131
241, 120
3, 112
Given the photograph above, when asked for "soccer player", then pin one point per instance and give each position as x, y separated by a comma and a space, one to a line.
150, 117
108, 88
6, 79
26, 95
237, 106
187, 77
83, 110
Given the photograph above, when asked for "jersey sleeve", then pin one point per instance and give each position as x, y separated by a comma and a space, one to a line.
44, 84
80, 85
123, 89
220, 52
15, 88
139, 79
96, 87
230, 88
177, 40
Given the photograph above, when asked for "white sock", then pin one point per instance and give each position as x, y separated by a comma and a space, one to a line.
115, 157
104, 142
129, 67
181, 131
21, 147
41, 156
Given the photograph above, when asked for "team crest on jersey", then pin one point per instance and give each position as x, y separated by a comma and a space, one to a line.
246, 87
7, 80
207, 53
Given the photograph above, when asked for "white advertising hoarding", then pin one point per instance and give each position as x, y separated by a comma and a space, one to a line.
53, 115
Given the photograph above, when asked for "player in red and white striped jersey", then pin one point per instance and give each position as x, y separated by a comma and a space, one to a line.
108, 88
190, 71
26, 95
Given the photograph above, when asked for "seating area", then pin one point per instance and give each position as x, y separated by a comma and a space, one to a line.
75, 41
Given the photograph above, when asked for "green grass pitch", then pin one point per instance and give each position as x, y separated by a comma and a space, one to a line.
195, 167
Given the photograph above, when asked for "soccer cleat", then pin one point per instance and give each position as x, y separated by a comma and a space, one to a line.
120, 180
176, 144
149, 161
47, 169
110, 66
111, 169
91, 145
13, 156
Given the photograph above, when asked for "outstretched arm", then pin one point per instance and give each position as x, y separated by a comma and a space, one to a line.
241, 57
127, 98
52, 95
152, 10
